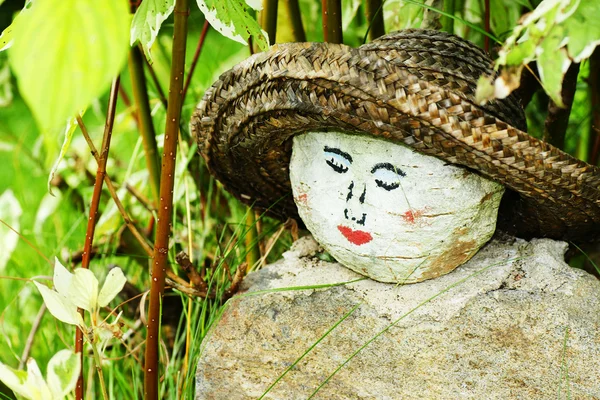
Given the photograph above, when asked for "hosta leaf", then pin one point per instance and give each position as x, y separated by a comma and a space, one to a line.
63, 371
66, 53
147, 21
10, 213
232, 19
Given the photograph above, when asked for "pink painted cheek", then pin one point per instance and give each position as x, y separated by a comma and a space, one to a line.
414, 216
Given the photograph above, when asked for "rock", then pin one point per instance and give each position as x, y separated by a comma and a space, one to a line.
386, 211
515, 322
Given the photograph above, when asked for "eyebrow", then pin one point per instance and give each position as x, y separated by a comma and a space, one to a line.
335, 150
389, 167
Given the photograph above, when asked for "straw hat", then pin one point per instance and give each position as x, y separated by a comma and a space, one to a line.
413, 87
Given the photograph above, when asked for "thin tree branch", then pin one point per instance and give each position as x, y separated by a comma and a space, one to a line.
374, 11
557, 120
161, 93
140, 94
188, 79
113, 193
293, 9
268, 19
165, 210
95, 203
332, 21
34, 328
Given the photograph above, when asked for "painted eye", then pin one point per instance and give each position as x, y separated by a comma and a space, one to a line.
387, 176
337, 162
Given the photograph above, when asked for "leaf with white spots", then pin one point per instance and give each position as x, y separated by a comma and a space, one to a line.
232, 19
147, 22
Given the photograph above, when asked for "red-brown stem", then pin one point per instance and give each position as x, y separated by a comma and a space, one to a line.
195, 59
332, 21
165, 209
486, 38
91, 226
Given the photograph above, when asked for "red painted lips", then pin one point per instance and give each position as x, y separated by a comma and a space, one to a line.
355, 237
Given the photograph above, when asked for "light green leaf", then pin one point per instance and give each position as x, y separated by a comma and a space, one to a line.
7, 37
232, 19
69, 129
36, 383
59, 306
84, 289
62, 278
10, 213
66, 53
584, 30
63, 371
15, 380
47, 209
147, 21
112, 286
553, 63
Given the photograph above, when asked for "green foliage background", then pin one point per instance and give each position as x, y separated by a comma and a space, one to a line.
34, 108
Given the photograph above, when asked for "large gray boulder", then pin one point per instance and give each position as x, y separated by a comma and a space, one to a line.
515, 322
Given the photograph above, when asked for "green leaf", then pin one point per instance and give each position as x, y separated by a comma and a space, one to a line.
584, 30
69, 130
66, 53
553, 63
10, 213
84, 289
63, 371
147, 21
59, 306
15, 380
112, 286
232, 19
62, 278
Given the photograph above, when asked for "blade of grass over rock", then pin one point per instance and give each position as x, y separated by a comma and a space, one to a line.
309, 349
394, 323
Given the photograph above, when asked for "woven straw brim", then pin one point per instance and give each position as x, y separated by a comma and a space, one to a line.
412, 87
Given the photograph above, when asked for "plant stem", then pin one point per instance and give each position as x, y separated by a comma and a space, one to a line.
448, 23
293, 9
594, 84
140, 95
165, 209
332, 21
113, 193
374, 11
34, 328
161, 94
195, 59
98, 362
557, 120
268, 19
95, 203
251, 240
486, 19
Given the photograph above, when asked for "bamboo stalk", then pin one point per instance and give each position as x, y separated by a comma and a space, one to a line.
140, 95
268, 19
374, 11
95, 203
165, 210
293, 9
332, 21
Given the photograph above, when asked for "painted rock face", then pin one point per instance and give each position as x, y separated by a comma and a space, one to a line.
387, 212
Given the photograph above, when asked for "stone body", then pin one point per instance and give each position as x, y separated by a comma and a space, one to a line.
515, 322
386, 211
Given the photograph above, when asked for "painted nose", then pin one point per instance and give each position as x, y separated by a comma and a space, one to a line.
354, 205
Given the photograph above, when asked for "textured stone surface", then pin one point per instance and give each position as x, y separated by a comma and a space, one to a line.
386, 211
515, 322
